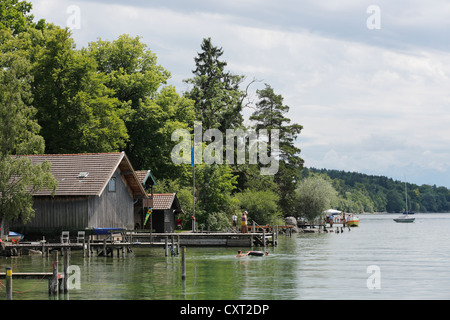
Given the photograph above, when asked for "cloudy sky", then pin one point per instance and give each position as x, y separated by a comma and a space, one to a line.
368, 80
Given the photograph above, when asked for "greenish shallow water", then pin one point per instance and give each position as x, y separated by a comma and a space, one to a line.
413, 262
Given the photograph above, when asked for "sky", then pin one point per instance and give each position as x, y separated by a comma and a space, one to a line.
369, 81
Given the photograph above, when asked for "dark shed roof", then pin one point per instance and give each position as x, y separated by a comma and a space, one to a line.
146, 176
88, 174
166, 201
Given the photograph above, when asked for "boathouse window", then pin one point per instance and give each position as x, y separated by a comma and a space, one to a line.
112, 185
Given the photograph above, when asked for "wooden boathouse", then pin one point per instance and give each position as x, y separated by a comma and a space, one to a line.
95, 190
166, 208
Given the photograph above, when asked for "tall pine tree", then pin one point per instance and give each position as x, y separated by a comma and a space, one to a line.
215, 91
270, 114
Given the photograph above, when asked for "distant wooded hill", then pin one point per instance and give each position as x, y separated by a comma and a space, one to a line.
358, 192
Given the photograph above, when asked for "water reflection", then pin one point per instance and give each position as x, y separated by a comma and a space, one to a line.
413, 261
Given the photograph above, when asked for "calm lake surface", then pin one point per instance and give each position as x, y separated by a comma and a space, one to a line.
411, 261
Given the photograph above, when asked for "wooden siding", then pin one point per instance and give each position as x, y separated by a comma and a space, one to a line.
59, 212
112, 209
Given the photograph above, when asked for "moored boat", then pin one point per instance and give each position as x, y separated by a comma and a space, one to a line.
404, 219
352, 221
14, 236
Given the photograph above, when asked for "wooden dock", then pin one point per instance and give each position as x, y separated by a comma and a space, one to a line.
57, 281
125, 241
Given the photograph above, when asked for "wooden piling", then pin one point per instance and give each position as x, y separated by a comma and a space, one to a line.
66, 266
8, 283
166, 246
53, 281
264, 238
84, 247
183, 263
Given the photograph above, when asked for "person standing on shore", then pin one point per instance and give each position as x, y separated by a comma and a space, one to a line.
234, 221
244, 228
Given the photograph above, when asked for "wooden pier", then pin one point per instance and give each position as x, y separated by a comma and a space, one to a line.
57, 281
120, 243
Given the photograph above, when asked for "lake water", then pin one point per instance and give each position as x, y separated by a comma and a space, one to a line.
380, 259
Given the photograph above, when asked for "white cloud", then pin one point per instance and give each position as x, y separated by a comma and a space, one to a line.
369, 100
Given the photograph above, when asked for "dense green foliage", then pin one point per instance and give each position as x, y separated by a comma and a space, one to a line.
315, 195
359, 192
19, 134
114, 96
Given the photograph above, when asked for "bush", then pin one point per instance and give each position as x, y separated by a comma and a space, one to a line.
261, 206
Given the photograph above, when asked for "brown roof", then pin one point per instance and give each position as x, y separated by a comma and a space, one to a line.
142, 174
145, 176
88, 173
165, 201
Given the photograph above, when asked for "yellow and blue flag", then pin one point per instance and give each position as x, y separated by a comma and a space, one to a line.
149, 212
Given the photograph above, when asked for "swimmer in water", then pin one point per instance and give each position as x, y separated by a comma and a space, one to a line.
251, 253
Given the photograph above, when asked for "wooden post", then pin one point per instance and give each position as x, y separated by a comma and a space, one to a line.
8, 283
277, 234
66, 266
166, 246
172, 239
104, 247
273, 236
53, 281
43, 246
183, 263
264, 238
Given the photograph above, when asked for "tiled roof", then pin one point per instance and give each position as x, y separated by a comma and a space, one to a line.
87, 173
145, 176
163, 201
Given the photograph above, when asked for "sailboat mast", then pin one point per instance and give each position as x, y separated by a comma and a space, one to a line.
406, 199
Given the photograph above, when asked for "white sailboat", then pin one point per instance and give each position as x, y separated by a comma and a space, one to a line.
405, 218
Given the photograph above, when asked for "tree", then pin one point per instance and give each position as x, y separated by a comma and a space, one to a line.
152, 111
152, 126
215, 184
215, 92
14, 15
270, 114
19, 135
395, 201
262, 206
314, 196
75, 109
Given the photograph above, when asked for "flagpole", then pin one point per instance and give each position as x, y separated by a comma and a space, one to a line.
193, 187
193, 197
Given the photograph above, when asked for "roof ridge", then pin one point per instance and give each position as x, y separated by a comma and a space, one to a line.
68, 154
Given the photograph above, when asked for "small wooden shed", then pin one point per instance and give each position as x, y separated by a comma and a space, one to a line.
94, 191
166, 208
